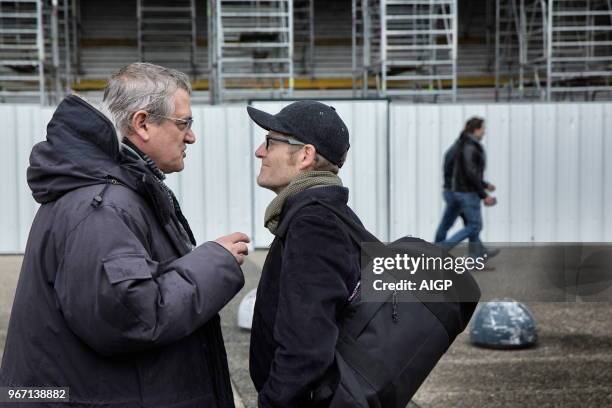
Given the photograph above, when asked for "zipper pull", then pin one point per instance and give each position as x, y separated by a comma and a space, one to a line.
395, 315
97, 200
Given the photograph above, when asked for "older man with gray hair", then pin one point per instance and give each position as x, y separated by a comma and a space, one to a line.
115, 301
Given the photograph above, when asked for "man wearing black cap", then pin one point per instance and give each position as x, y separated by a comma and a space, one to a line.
312, 267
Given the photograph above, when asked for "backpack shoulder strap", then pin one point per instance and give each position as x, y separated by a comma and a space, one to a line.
282, 228
358, 233
355, 231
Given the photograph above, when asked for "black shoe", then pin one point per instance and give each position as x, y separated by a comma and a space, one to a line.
491, 253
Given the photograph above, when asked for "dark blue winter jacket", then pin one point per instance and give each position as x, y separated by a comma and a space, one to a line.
306, 282
112, 300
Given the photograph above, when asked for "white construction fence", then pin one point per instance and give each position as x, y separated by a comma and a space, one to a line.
551, 163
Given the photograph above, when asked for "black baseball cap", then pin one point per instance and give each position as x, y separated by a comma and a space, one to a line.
310, 122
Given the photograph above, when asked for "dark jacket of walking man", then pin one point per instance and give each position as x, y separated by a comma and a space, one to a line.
465, 187
313, 265
114, 300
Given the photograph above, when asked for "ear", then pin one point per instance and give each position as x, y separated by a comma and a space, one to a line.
307, 157
139, 125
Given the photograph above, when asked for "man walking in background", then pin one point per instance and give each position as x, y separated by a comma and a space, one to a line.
452, 210
464, 187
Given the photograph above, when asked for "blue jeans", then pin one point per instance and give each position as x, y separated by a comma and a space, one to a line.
451, 212
469, 205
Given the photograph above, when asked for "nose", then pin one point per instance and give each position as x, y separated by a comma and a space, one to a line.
261, 151
190, 137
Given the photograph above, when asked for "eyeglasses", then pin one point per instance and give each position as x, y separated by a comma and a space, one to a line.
291, 142
181, 124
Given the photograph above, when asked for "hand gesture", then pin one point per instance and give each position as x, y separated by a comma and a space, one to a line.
236, 244
490, 201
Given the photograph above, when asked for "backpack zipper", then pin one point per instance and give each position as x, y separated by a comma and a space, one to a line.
395, 314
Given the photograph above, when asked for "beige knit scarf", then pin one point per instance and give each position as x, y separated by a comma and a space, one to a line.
303, 181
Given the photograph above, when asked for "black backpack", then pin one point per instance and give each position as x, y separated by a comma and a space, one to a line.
387, 349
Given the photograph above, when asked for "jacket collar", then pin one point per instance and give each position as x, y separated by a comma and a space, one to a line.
469, 137
130, 149
333, 195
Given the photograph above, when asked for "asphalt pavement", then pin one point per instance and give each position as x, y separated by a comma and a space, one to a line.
570, 367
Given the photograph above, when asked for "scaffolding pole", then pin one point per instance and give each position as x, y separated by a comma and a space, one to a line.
520, 35
304, 34
549, 37
40, 42
55, 57
363, 13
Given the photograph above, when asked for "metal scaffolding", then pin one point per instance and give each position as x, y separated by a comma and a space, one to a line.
23, 50
303, 35
551, 49
60, 16
579, 47
409, 46
167, 33
38, 51
520, 47
365, 45
252, 52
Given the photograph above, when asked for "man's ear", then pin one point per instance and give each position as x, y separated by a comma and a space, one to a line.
308, 156
139, 125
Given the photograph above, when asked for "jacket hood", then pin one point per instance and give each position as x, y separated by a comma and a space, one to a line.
81, 149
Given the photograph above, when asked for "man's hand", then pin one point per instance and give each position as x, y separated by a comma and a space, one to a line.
490, 201
236, 244
490, 187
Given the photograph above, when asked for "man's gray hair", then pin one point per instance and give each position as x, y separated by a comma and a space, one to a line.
142, 86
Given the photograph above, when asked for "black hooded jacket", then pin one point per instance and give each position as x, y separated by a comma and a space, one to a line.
113, 300
309, 274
